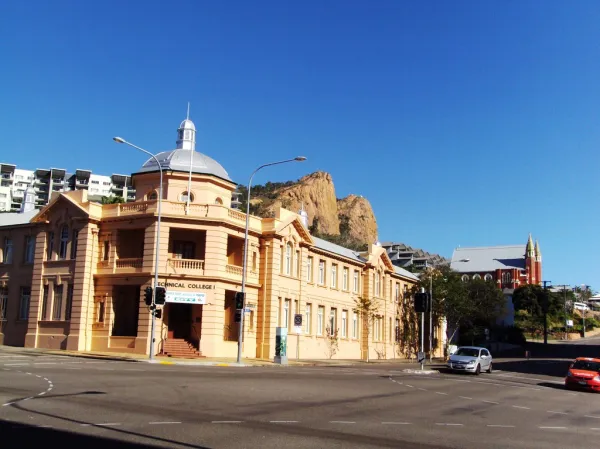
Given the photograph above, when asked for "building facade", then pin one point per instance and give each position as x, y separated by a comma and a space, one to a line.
509, 267
73, 275
14, 181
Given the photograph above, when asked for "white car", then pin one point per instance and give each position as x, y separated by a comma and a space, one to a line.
471, 359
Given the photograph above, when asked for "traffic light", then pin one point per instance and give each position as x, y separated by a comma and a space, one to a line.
239, 300
148, 296
238, 316
159, 298
422, 302
158, 313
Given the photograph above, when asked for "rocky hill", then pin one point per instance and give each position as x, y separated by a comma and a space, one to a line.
348, 221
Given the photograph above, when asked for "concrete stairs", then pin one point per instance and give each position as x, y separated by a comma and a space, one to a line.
180, 348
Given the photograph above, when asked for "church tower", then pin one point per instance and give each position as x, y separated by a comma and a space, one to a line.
186, 134
530, 264
538, 262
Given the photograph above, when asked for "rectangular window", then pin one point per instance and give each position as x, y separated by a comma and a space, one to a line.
297, 264
183, 250
74, 244
332, 321
3, 302
344, 323
254, 261
8, 250
57, 302
24, 303
345, 279
29, 249
397, 330
101, 310
286, 313
321, 272
307, 318
106, 250
69, 305
334, 276
397, 291
376, 329
390, 330
355, 285
354, 325
320, 320
377, 281
309, 269
44, 303
64, 241
288, 259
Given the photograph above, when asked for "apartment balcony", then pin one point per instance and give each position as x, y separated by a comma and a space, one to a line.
234, 270
124, 265
130, 263
193, 267
58, 181
59, 267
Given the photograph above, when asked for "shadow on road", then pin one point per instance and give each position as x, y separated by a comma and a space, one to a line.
554, 368
20, 436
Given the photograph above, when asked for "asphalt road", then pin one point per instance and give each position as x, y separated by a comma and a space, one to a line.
61, 400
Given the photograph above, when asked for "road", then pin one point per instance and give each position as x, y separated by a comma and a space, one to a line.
74, 401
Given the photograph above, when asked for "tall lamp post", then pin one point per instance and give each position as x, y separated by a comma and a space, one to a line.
157, 248
245, 262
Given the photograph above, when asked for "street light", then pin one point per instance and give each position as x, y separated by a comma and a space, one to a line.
157, 249
245, 262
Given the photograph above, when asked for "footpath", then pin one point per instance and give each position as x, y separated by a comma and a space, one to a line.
206, 361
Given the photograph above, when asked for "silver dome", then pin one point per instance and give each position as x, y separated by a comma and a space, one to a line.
179, 160
187, 124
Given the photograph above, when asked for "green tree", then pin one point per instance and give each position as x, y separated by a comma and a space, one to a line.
112, 199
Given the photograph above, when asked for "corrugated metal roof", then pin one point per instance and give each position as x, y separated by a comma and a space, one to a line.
406, 273
337, 249
490, 258
15, 218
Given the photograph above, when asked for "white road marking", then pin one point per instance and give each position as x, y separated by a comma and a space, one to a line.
16, 364
409, 386
521, 407
165, 422
499, 425
592, 416
108, 424
226, 422
551, 427
558, 413
72, 368
45, 363
396, 423
439, 392
448, 424
105, 369
282, 422
421, 389
466, 397
342, 422
490, 402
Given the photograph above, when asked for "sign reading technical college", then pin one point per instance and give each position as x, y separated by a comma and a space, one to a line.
191, 285
185, 297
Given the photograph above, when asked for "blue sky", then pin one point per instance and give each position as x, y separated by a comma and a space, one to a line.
464, 123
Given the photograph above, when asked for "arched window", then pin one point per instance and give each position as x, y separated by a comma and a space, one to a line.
377, 284
506, 277
488, 277
219, 201
152, 196
476, 277
289, 249
465, 278
64, 240
184, 197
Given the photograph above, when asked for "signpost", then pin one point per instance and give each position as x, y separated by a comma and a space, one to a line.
298, 331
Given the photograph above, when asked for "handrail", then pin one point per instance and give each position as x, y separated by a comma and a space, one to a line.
197, 335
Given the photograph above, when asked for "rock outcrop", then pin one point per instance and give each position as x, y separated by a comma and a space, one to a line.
348, 221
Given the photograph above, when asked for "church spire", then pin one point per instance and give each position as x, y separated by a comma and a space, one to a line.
530, 249
538, 252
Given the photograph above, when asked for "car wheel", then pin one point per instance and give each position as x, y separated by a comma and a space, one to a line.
489, 370
478, 370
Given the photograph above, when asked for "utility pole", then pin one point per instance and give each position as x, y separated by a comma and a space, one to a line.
431, 316
545, 305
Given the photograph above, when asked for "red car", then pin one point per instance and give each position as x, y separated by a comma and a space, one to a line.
584, 373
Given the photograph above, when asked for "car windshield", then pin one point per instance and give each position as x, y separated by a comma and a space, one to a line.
587, 365
469, 352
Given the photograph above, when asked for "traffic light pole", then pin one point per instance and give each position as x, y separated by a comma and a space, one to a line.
422, 338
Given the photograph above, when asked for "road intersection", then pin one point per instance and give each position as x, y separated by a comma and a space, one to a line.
375, 405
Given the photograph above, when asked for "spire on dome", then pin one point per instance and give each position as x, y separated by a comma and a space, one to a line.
186, 133
530, 249
303, 216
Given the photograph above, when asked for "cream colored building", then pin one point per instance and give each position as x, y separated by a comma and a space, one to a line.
77, 271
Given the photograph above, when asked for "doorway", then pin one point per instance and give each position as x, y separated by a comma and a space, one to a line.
179, 321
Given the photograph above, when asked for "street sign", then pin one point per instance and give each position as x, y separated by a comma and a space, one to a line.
186, 297
298, 319
421, 357
247, 310
569, 323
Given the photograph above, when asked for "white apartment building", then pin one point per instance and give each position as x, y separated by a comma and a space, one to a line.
14, 181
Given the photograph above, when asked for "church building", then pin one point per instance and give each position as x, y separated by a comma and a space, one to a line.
73, 275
